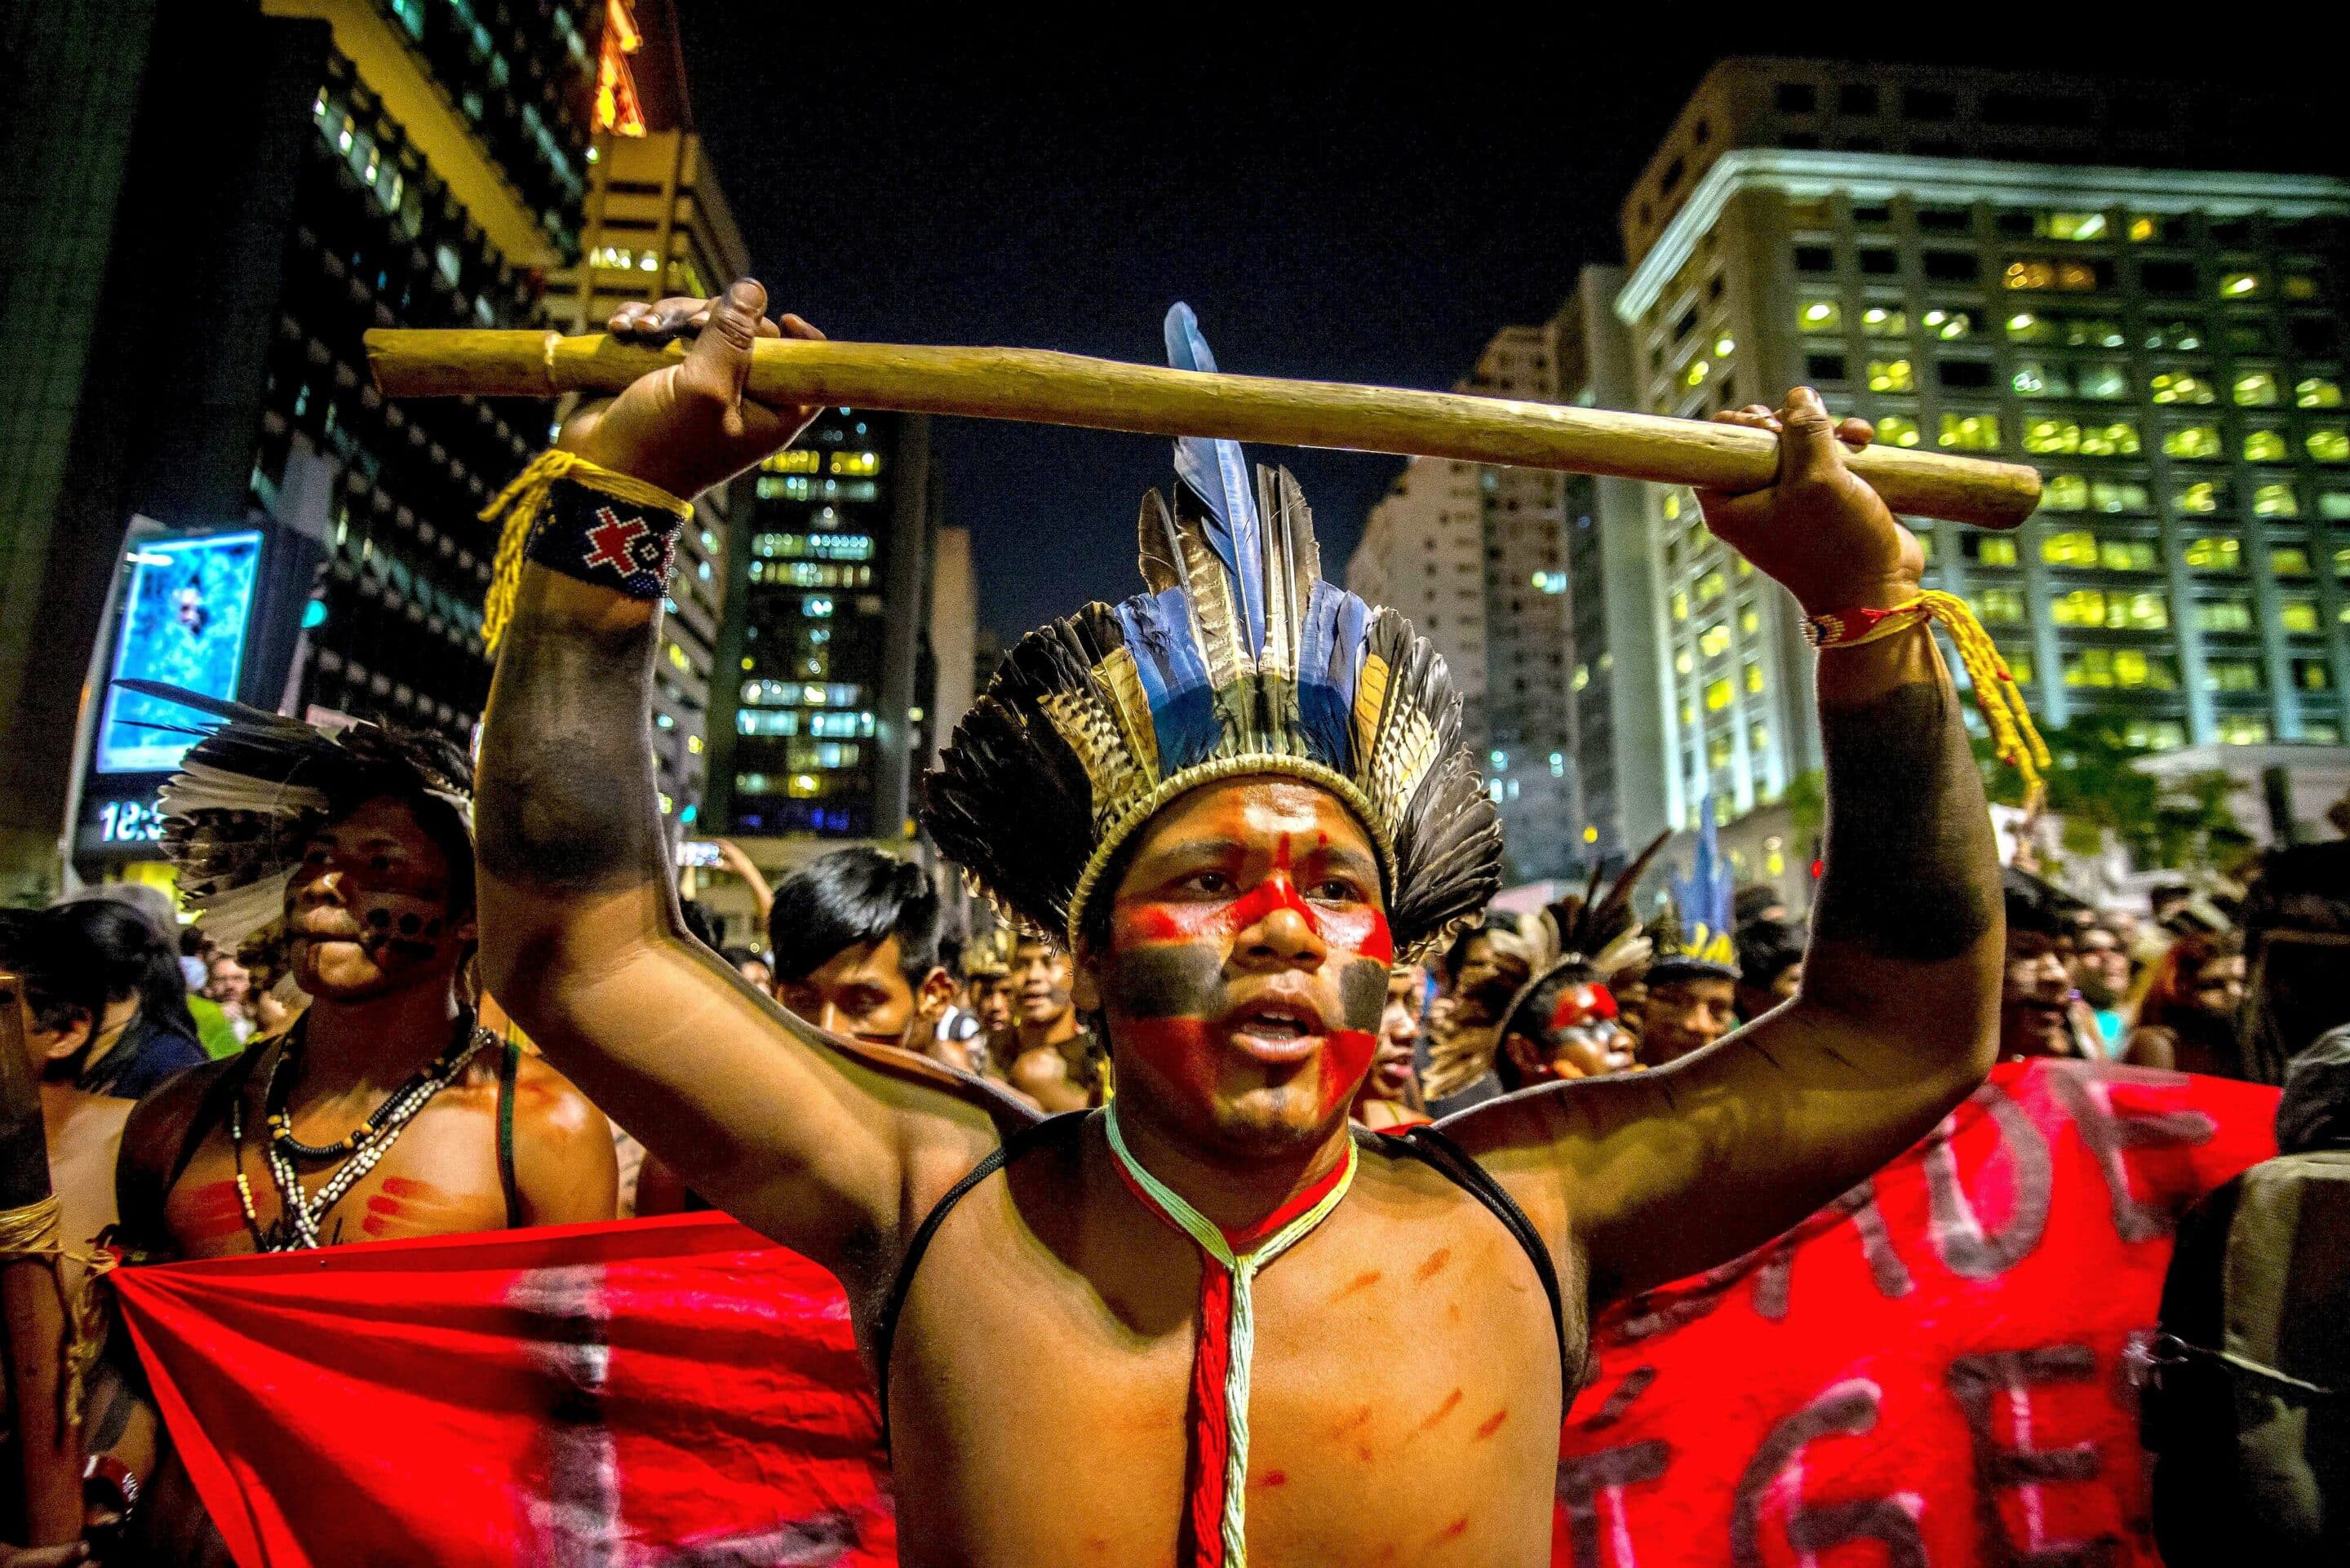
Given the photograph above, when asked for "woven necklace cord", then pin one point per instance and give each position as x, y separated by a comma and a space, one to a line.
1217, 1506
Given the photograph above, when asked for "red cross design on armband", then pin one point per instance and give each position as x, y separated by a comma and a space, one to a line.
615, 538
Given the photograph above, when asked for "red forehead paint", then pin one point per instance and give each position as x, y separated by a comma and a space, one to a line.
1579, 1004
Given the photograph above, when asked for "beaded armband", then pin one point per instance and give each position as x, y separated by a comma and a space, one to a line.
2014, 736
572, 516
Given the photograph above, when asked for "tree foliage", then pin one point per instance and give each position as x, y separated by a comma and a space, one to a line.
2097, 787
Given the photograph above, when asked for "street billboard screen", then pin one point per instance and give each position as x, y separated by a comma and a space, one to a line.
183, 623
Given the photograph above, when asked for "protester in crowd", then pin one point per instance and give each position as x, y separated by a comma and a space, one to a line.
2100, 970
228, 985
1690, 1003
216, 1031
1390, 1095
1565, 1028
856, 936
1049, 1053
2188, 1018
64, 1003
2036, 997
1757, 901
1770, 966
753, 965
146, 1034
1480, 972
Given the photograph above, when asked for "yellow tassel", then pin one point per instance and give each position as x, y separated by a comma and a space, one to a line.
520, 502
2014, 738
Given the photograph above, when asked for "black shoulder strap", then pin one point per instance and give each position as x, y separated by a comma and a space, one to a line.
508, 1064
1424, 1143
885, 1328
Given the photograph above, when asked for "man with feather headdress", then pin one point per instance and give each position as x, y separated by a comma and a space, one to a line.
385, 1110
1239, 795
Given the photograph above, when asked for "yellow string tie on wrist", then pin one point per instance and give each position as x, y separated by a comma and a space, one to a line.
520, 503
35, 1233
2014, 738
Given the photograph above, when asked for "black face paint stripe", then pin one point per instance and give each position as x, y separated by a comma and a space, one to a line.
1175, 981
1362, 993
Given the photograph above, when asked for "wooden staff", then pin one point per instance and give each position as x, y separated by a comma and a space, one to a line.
48, 1449
1047, 388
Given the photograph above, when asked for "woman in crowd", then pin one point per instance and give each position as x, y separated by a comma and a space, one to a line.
145, 1033
2188, 1018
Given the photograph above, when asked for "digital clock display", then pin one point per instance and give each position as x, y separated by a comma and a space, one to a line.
129, 822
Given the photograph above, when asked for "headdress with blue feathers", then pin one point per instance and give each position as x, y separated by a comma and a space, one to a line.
1239, 659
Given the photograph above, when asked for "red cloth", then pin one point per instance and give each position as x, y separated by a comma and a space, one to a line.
1931, 1371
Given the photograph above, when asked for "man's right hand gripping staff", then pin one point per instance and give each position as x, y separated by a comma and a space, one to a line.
1238, 797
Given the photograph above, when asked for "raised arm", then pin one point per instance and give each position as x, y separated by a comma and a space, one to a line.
1657, 1175
827, 1146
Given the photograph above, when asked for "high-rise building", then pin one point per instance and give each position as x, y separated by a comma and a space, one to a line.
822, 693
203, 262
656, 225
2089, 276
1475, 555
1611, 587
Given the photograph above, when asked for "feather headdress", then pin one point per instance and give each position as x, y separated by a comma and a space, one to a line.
257, 785
1237, 659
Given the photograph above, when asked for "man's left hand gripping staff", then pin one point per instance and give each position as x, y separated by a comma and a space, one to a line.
820, 1142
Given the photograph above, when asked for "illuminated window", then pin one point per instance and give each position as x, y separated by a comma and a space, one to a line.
2000, 606
2329, 444
1713, 641
1890, 376
2232, 675
2215, 554
2224, 615
1897, 430
2127, 556
1718, 751
1971, 433
2147, 611
1754, 680
2117, 495
2024, 327
2198, 444
1949, 325
2034, 380
2044, 436
2076, 548
2061, 492
2275, 501
2145, 227
2076, 226
2019, 664
1684, 662
2180, 387
1819, 316
2203, 495
857, 465
2120, 667
2257, 388
1750, 620
2289, 561
2297, 613
1696, 372
2064, 277
2266, 446
1712, 586
1680, 606
1884, 321
2318, 392
1992, 550
1716, 696
2240, 286
794, 460
2241, 729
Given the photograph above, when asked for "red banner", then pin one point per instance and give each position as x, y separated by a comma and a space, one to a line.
1932, 1371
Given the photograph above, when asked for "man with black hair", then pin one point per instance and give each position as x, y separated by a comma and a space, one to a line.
1048, 1053
855, 941
1770, 966
1565, 1028
1692, 1002
2037, 996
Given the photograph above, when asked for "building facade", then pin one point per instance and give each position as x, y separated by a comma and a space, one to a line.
826, 722
379, 162
1475, 556
656, 225
2024, 268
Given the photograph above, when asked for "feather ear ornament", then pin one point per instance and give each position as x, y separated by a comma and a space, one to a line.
1237, 659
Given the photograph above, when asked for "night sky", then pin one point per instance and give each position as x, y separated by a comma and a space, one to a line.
1362, 211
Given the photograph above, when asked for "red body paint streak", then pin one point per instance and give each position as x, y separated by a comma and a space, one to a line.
1451, 1402
1360, 1419
1361, 1282
1435, 1263
1492, 1423
1273, 1479
209, 1212
1456, 1530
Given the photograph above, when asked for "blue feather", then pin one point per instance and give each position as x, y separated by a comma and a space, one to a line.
1326, 672
1218, 473
1174, 680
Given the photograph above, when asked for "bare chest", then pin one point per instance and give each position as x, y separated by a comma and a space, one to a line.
439, 1178
1405, 1402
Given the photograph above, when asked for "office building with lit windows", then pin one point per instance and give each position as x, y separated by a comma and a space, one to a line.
656, 224
2068, 274
256, 186
1474, 555
826, 651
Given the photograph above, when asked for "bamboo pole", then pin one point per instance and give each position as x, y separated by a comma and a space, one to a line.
34, 1331
1048, 388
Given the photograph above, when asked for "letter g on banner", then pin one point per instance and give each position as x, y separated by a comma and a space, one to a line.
1849, 1408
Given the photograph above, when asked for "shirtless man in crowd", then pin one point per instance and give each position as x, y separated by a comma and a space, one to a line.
1237, 950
